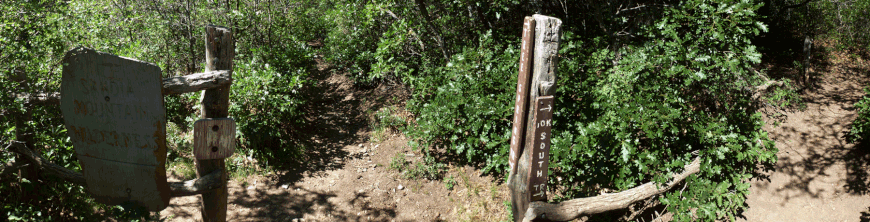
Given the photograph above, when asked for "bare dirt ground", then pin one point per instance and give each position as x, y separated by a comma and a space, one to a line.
346, 176
819, 176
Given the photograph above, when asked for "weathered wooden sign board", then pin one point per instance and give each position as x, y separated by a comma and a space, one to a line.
530, 148
214, 138
519, 124
540, 158
113, 111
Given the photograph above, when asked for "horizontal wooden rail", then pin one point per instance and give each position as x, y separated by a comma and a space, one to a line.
175, 85
196, 82
575, 208
185, 188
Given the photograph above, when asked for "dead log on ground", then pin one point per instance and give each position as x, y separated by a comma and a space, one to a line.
576, 208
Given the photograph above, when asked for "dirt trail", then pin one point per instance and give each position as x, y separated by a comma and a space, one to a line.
819, 176
346, 175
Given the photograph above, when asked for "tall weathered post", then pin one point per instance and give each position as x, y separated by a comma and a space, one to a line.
219, 54
528, 178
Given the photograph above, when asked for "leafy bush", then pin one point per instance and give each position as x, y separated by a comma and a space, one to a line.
639, 119
395, 40
385, 121
465, 105
265, 103
633, 107
845, 22
429, 168
861, 126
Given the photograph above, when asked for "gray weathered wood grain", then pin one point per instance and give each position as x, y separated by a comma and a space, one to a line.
196, 82
576, 208
214, 138
114, 114
548, 35
173, 85
547, 39
219, 54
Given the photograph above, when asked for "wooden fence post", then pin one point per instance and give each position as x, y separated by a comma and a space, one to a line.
219, 54
528, 181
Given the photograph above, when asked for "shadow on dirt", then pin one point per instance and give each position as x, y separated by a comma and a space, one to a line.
336, 115
857, 165
816, 148
295, 202
865, 216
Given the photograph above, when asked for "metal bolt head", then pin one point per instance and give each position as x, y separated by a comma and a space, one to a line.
215, 128
214, 149
107, 98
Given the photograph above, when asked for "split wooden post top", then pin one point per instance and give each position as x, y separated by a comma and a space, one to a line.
530, 156
114, 114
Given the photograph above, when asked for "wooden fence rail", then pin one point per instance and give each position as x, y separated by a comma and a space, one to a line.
175, 85
196, 186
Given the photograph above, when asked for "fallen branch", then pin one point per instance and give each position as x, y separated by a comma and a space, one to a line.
185, 188
572, 209
36, 159
175, 85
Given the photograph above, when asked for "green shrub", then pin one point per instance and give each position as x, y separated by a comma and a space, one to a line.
630, 110
429, 168
395, 40
639, 120
464, 106
265, 104
861, 125
385, 121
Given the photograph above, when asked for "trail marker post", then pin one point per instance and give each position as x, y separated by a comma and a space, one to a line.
114, 113
219, 54
530, 140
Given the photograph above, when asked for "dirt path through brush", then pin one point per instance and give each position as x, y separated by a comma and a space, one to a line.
819, 176
346, 175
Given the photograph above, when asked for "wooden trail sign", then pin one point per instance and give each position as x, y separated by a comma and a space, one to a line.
540, 158
113, 111
528, 176
519, 124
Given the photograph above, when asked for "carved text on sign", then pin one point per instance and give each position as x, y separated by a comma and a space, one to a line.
522, 92
543, 123
114, 114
